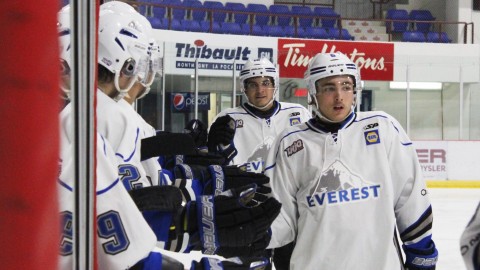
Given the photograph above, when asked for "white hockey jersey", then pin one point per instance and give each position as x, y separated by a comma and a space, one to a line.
343, 195
254, 135
123, 236
151, 166
123, 132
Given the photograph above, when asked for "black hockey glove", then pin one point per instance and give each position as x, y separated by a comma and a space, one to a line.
212, 180
198, 130
421, 259
220, 137
197, 158
235, 263
231, 224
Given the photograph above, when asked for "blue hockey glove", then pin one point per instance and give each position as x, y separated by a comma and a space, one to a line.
421, 258
233, 223
236, 263
215, 179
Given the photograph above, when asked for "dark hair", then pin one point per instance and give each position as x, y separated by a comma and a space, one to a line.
104, 75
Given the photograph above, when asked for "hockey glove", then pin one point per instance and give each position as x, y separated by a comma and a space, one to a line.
198, 131
197, 158
231, 224
215, 179
220, 137
231, 264
421, 258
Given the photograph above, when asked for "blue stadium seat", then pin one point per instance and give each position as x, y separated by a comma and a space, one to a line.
273, 30
259, 18
303, 11
179, 13
237, 17
218, 12
191, 25
159, 12
413, 36
316, 33
176, 25
437, 37
156, 23
329, 16
289, 30
397, 25
205, 27
230, 28
421, 15
255, 31
196, 12
282, 17
335, 33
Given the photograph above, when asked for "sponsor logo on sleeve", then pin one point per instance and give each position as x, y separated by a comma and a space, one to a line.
294, 148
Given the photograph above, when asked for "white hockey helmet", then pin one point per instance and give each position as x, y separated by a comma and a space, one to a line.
259, 68
122, 46
325, 65
63, 26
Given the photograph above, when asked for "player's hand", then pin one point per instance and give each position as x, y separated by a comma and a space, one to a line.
214, 179
230, 224
236, 263
220, 137
198, 130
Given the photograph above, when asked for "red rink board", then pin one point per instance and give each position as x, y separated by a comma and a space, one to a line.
374, 59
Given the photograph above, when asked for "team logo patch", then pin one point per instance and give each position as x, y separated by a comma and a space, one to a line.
370, 126
294, 114
294, 148
372, 137
239, 123
294, 121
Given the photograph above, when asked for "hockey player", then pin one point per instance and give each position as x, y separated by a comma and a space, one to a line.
123, 48
347, 181
258, 121
125, 240
470, 242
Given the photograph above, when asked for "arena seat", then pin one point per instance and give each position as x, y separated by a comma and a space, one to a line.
397, 26
316, 33
259, 19
421, 15
326, 12
437, 37
230, 28
237, 17
303, 11
280, 10
218, 10
413, 36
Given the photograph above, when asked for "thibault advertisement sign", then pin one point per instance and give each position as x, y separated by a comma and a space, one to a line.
374, 59
212, 58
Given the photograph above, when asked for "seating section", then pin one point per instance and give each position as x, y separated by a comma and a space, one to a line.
281, 20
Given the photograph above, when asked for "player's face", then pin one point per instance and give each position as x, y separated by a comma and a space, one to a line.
259, 91
335, 96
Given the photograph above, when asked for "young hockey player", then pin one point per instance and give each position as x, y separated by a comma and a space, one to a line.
348, 181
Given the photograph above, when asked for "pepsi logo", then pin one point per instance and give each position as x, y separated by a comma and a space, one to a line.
179, 101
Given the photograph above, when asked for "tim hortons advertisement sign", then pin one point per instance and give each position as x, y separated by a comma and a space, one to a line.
374, 59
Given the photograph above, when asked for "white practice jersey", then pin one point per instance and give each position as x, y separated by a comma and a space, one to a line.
254, 136
344, 194
151, 166
123, 236
123, 132
470, 242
